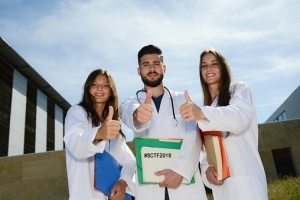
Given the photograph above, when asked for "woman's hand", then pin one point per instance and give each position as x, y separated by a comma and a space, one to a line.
110, 128
211, 175
118, 191
190, 111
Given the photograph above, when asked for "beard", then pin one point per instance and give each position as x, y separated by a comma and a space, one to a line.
154, 83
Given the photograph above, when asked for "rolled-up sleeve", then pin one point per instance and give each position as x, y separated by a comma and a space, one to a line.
235, 117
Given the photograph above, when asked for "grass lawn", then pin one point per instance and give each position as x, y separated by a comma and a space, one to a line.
287, 188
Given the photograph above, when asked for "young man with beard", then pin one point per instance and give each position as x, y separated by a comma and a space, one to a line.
154, 112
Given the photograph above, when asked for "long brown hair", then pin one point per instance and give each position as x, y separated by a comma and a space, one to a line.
88, 104
224, 94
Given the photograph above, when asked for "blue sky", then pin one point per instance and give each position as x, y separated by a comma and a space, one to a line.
64, 40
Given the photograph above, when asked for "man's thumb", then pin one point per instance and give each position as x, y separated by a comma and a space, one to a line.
110, 113
148, 97
160, 173
187, 96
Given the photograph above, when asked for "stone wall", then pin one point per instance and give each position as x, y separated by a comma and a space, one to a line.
40, 176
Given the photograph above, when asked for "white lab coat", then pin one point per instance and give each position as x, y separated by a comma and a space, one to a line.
80, 151
161, 125
247, 180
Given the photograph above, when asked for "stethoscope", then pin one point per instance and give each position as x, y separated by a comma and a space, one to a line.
175, 122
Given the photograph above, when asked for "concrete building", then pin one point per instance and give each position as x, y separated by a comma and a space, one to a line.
31, 111
279, 148
289, 109
279, 139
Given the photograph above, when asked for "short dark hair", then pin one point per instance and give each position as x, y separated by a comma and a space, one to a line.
149, 49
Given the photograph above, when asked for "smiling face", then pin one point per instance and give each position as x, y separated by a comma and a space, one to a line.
210, 70
100, 89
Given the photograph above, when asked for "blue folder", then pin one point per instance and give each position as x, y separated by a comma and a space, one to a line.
107, 173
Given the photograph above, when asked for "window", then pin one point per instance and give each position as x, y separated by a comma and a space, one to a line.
281, 117
284, 116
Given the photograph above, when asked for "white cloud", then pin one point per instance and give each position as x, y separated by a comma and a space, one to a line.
66, 40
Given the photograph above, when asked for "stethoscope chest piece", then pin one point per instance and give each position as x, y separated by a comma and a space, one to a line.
174, 122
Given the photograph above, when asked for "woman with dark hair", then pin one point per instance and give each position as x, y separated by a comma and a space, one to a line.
228, 108
93, 127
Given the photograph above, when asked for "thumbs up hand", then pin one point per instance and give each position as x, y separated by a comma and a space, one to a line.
148, 97
144, 112
190, 111
187, 96
110, 113
110, 128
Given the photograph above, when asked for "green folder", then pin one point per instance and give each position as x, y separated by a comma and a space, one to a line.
154, 154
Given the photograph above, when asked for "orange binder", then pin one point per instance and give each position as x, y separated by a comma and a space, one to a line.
216, 153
